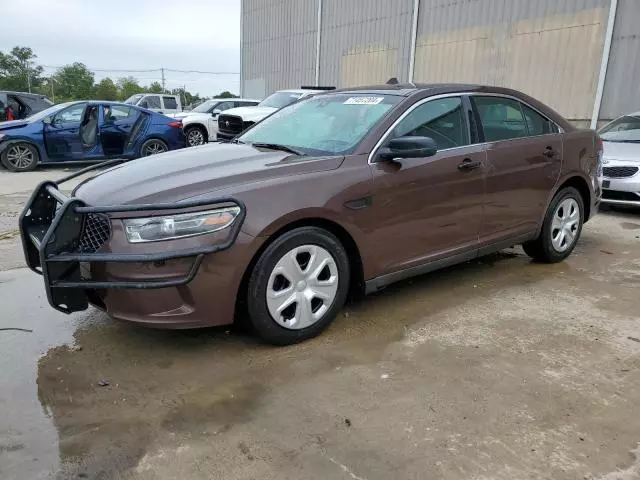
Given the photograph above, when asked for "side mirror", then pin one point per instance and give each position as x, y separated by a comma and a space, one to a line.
46, 120
409, 147
215, 112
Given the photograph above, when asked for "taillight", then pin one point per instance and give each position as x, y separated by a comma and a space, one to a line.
177, 124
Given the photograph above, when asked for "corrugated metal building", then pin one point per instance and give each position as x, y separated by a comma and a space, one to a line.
582, 57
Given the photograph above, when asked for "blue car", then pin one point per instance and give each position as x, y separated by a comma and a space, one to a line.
86, 131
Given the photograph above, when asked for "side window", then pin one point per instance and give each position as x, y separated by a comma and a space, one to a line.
170, 103
117, 112
72, 114
442, 119
538, 125
222, 106
150, 101
501, 118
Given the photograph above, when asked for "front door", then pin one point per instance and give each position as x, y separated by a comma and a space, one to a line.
524, 151
62, 134
116, 128
212, 124
429, 208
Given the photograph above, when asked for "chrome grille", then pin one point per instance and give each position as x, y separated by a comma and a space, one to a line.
619, 172
95, 233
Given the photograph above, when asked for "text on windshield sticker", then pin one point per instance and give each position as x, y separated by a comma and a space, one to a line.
363, 100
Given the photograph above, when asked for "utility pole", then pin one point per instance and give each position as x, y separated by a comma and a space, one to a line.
53, 94
29, 81
163, 81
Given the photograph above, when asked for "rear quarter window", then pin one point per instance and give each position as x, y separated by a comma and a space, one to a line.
170, 102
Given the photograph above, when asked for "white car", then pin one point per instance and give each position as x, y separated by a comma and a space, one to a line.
165, 104
621, 161
201, 124
233, 122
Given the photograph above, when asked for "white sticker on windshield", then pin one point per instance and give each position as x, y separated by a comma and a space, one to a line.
363, 100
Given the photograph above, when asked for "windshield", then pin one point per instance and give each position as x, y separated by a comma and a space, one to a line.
49, 111
280, 99
206, 106
133, 99
623, 129
323, 125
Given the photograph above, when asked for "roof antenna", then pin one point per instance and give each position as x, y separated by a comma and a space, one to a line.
392, 81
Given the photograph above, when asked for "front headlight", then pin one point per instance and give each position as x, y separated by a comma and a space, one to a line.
153, 229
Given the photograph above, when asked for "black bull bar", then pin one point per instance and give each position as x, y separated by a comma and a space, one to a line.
52, 224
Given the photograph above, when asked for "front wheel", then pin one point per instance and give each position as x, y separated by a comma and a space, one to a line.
20, 157
298, 286
195, 136
153, 146
561, 228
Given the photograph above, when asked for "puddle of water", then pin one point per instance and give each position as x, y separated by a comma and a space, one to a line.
28, 438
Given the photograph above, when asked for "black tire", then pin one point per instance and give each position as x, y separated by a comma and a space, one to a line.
144, 149
18, 166
260, 320
196, 128
542, 249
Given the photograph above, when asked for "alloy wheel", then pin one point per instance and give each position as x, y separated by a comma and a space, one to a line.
154, 147
195, 137
302, 287
565, 225
20, 156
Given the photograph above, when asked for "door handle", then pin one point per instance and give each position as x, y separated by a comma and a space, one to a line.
468, 164
549, 152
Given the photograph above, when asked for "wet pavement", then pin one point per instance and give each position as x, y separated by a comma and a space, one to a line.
498, 368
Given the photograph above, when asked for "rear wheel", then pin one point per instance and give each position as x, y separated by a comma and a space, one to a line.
153, 146
561, 228
20, 157
195, 136
298, 286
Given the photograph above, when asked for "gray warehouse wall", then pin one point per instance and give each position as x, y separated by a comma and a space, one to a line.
278, 45
365, 41
622, 87
550, 49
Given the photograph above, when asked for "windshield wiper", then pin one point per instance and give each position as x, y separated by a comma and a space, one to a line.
277, 146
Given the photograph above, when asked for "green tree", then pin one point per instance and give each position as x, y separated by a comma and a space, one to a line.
128, 86
226, 94
18, 70
74, 82
106, 90
155, 87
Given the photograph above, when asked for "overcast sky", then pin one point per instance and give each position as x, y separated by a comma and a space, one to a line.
132, 34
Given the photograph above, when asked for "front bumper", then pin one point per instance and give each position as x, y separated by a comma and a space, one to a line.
621, 191
52, 226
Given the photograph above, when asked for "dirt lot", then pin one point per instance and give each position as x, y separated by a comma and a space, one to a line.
495, 369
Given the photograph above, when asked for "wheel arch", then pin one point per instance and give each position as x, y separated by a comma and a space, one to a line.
42, 154
357, 285
582, 186
144, 140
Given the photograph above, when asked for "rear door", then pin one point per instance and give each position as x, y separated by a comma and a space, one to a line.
62, 135
430, 208
524, 159
116, 128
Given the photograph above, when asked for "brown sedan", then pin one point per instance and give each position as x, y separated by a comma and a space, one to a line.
342, 192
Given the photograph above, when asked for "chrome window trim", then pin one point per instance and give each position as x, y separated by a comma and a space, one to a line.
379, 143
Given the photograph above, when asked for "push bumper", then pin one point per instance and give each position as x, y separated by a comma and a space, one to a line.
52, 226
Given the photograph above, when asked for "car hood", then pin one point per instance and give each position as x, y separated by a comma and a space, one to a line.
250, 114
187, 173
196, 117
13, 124
621, 151
177, 115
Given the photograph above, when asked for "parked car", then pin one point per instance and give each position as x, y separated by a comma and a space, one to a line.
160, 103
621, 182
21, 104
86, 131
201, 124
340, 192
235, 121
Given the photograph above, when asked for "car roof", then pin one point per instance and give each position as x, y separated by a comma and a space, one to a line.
25, 94
408, 89
235, 99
